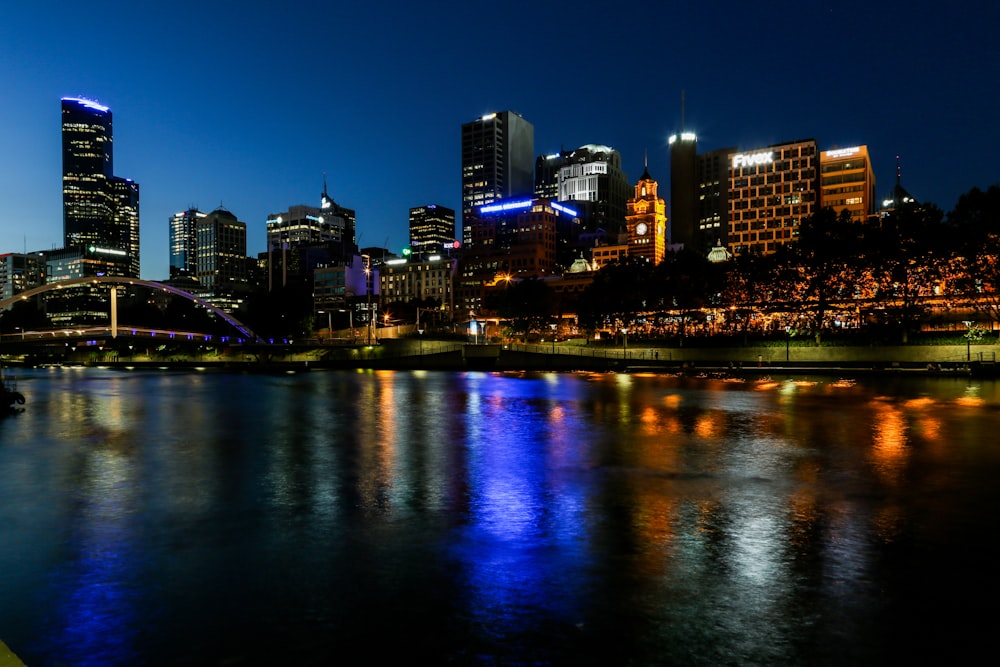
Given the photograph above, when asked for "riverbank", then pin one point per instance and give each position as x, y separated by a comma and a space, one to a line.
406, 354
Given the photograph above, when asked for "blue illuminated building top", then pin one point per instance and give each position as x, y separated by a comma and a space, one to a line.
90, 104
518, 204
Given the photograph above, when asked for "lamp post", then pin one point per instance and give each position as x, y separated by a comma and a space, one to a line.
553, 338
329, 323
968, 339
788, 338
624, 342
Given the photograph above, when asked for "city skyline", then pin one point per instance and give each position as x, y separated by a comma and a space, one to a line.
250, 110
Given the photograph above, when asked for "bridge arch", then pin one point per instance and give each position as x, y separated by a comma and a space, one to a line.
121, 280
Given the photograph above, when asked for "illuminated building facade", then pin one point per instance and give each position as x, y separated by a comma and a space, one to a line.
771, 191
647, 221
509, 239
20, 272
221, 251
847, 182
183, 243
423, 281
432, 229
99, 209
497, 162
590, 180
304, 237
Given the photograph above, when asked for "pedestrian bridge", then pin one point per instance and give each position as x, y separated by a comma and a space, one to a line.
246, 335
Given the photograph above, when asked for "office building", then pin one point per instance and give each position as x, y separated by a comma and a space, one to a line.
427, 282
498, 153
20, 272
183, 243
646, 221
771, 191
592, 182
847, 182
684, 189
510, 239
304, 237
432, 230
221, 258
100, 210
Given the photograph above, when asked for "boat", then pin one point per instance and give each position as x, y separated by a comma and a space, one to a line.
10, 397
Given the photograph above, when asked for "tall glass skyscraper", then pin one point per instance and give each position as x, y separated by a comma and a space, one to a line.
498, 162
100, 210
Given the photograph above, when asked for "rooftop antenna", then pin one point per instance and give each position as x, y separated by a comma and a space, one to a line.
898, 172
682, 110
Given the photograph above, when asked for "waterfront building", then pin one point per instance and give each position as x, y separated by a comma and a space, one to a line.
424, 281
183, 243
510, 239
646, 220
497, 162
713, 199
304, 237
771, 191
221, 258
100, 210
432, 229
20, 272
847, 182
684, 188
589, 179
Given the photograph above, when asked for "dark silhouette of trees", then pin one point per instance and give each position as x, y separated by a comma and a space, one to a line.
975, 225
618, 293
527, 305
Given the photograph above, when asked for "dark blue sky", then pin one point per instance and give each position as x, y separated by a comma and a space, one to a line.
248, 104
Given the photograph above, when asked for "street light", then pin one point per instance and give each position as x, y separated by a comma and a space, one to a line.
329, 323
624, 342
968, 339
788, 338
553, 338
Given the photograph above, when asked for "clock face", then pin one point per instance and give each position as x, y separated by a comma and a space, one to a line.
641, 228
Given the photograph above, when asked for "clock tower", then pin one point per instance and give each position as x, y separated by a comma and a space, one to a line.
646, 219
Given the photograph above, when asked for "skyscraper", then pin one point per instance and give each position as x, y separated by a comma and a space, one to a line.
432, 229
100, 210
497, 162
184, 244
221, 254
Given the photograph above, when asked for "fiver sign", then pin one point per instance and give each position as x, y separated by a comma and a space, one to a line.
752, 159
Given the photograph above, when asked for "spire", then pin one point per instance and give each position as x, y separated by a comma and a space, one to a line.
645, 166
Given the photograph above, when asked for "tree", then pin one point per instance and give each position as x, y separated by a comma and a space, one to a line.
527, 304
825, 260
908, 255
748, 283
617, 294
975, 224
687, 283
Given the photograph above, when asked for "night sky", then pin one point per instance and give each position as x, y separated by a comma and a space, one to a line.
248, 104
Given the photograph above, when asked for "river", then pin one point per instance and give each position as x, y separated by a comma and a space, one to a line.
467, 518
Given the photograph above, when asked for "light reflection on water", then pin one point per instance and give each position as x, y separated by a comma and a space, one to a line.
162, 518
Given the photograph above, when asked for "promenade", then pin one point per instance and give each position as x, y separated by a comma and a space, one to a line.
409, 353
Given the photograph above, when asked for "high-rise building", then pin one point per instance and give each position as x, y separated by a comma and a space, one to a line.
847, 182
221, 252
20, 272
647, 221
432, 229
304, 237
100, 210
498, 153
184, 243
713, 199
684, 189
509, 239
592, 180
771, 191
